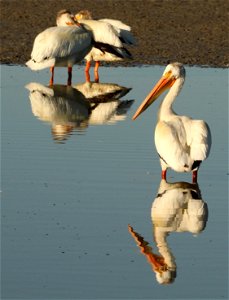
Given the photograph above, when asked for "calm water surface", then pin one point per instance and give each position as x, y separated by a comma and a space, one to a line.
79, 179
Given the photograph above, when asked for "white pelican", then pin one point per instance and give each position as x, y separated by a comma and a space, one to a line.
113, 32
61, 46
178, 207
181, 142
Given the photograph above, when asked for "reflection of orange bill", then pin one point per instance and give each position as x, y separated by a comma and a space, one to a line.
156, 261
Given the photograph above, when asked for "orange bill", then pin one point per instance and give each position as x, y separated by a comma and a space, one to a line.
164, 83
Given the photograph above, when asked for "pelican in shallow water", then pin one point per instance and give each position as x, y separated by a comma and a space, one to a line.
61, 46
181, 142
114, 32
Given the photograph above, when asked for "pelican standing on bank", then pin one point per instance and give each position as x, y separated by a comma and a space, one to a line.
61, 46
113, 32
181, 142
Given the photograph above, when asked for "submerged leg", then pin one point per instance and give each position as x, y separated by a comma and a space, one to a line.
163, 174
52, 75
69, 75
194, 176
96, 71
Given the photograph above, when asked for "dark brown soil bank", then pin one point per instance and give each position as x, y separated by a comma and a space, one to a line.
194, 32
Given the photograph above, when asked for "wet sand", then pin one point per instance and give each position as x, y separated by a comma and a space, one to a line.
194, 32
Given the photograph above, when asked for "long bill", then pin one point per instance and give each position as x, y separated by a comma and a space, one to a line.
164, 83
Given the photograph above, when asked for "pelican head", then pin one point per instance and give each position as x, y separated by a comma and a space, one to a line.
83, 15
172, 72
166, 277
65, 18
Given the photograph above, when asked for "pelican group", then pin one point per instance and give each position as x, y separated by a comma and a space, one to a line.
71, 41
181, 142
114, 32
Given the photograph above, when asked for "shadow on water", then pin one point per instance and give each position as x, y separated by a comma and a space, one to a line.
178, 207
74, 108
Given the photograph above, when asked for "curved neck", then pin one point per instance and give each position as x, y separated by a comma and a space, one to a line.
166, 105
160, 236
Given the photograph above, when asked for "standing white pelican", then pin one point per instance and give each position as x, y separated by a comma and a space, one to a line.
112, 32
61, 46
181, 142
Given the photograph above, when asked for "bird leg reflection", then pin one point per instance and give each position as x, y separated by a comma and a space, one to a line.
52, 75
163, 174
194, 176
69, 75
96, 71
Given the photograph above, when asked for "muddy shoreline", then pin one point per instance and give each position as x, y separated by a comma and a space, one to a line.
194, 32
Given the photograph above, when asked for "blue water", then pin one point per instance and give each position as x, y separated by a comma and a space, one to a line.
69, 193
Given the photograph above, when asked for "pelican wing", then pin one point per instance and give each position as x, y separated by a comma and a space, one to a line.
116, 23
103, 32
199, 140
123, 30
176, 155
60, 42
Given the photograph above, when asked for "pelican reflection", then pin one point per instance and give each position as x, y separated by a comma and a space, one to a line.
178, 207
95, 91
107, 108
68, 108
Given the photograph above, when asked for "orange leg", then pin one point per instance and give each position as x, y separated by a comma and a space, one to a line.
52, 75
69, 75
87, 68
96, 71
163, 174
194, 176
88, 65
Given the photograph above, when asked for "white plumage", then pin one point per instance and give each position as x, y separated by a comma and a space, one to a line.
103, 32
181, 142
107, 31
60, 46
123, 30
